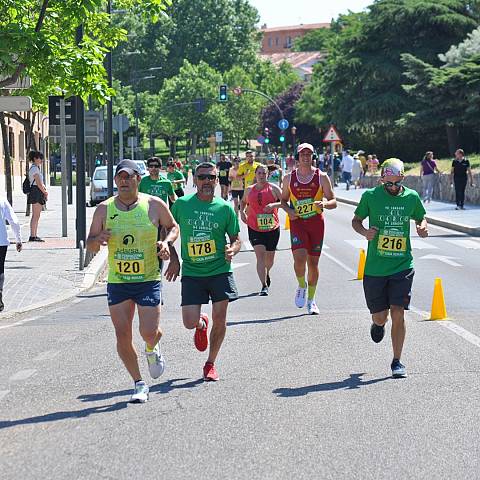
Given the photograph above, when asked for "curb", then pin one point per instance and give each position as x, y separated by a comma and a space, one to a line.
459, 227
92, 273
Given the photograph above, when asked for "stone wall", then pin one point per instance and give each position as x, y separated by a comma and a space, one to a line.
442, 190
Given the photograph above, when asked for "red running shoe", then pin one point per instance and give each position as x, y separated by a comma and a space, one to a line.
210, 373
201, 335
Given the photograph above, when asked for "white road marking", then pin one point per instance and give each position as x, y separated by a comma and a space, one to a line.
358, 243
238, 265
453, 327
3, 394
48, 355
21, 322
325, 247
247, 245
443, 259
341, 264
418, 244
470, 244
22, 375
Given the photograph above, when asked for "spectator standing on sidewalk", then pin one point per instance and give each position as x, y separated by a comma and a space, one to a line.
428, 168
458, 177
347, 165
7, 214
38, 193
357, 171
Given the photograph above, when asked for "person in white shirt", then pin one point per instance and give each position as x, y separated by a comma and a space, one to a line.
38, 193
357, 171
347, 165
7, 214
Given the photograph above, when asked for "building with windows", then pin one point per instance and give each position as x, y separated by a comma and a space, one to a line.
280, 39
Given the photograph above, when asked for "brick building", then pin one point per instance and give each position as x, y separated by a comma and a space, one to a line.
280, 39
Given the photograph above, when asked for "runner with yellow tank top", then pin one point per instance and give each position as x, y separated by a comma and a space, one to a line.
128, 224
236, 185
306, 192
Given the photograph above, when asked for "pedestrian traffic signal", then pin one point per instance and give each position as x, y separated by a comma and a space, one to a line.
98, 162
267, 140
223, 97
282, 137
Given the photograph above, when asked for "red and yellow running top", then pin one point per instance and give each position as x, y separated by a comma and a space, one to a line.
303, 196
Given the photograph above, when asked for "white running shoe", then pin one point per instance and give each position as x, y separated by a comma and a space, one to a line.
155, 361
300, 297
312, 308
140, 393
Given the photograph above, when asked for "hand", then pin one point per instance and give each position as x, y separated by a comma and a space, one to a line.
422, 231
319, 204
243, 216
163, 250
269, 208
19, 246
103, 237
45, 194
173, 269
229, 253
292, 214
371, 233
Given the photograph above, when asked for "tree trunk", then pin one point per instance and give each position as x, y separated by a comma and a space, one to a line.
452, 137
193, 138
6, 150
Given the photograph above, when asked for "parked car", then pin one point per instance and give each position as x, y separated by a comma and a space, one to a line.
99, 186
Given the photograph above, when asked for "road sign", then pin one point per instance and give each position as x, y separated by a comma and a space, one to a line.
15, 104
237, 91
283, 124
120, 123
332, 135
21, 83
261, 139
54, 110
219, 137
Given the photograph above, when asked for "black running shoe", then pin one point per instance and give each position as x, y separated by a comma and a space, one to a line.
264, 291
377, 332
398, 370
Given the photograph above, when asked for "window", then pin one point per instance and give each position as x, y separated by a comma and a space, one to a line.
270, 42
289, 42
276, 41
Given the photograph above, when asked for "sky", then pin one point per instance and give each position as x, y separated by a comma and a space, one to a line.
276, 13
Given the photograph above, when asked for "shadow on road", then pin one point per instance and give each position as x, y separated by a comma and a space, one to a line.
169, 385
266, 320
53, 417
92, 296
353, 382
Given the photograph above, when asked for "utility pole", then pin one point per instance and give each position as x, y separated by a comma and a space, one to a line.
109, 129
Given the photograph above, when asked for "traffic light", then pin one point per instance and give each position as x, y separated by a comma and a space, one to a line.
282, 137
267, 140
222, 95
267, 134
98, 162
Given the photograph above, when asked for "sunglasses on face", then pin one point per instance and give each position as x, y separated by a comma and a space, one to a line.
393, 184
205, 176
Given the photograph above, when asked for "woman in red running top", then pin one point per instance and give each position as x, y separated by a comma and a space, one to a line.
263, 199
306, 193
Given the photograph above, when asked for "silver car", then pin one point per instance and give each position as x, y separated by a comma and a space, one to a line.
99, 186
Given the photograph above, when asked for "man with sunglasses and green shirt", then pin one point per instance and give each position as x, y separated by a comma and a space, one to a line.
205, 222
155, 184
389, 269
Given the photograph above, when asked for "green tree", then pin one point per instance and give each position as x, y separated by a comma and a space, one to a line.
312, 41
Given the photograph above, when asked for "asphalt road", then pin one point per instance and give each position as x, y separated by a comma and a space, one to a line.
299, 397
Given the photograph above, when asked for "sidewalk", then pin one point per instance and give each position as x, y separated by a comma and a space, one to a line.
46, 273
442, 214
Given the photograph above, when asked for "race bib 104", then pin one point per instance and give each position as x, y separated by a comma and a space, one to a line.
265, 221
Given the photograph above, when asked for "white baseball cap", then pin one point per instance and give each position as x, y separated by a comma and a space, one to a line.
304, 146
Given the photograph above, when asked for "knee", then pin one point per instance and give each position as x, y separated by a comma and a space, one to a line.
397, 314
149, 335
190, 322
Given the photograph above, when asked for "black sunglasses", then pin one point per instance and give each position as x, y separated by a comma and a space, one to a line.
393, 184
205, 176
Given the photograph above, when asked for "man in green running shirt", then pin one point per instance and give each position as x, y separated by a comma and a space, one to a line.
204, 223
155, 184
389, 270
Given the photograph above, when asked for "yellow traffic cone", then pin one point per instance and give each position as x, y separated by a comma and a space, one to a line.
287, 223
439, 310
361, 264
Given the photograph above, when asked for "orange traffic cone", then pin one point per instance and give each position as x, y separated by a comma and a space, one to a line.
439, 310
361, 264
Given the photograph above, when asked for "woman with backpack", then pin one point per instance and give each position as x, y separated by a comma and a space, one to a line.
38, 194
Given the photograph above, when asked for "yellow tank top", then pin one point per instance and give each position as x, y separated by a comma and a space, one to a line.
132, 247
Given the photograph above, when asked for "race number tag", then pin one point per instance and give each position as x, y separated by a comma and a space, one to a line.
305, 208
201, 250
223, 173
391, 245
129, 266
265, 221
237, 184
